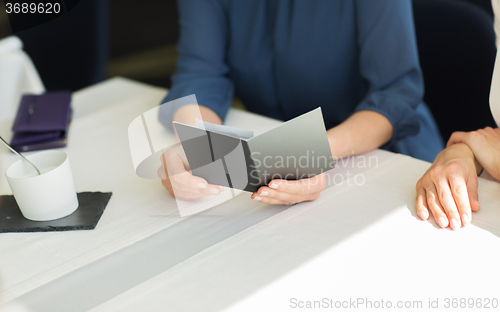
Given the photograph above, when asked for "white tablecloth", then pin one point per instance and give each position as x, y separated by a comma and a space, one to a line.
361, 238
355, 242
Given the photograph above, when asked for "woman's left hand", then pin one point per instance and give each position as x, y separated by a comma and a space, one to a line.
284, 192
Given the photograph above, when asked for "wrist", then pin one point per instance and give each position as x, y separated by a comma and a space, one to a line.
462, 150
339, 141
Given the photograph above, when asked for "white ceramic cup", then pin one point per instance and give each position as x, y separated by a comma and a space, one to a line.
44, 197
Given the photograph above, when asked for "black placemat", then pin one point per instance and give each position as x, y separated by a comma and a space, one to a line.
92, 205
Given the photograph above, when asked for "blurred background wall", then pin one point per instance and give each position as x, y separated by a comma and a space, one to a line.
98, 39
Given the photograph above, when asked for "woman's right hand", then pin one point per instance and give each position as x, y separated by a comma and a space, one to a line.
176, 177
449, 188
485, 144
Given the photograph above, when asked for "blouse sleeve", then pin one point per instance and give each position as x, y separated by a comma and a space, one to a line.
389, 62
201, 67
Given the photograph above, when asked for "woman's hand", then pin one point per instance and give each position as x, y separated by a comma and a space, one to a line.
284, 192
449, 188
178, 180
175, 173
485, 144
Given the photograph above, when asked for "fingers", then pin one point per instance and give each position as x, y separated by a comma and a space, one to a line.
181, 183
185, 195
485, 145
269, 200
469, 138
183, 192
421, 203
461, 196
448, 204
184, 180
490, 130
457, 137
187, 181
442, 177
303, 186
487, 133
173, 162
472, 186
445, 197
435, 206
283, 192
476, 140
270, 196
466, 137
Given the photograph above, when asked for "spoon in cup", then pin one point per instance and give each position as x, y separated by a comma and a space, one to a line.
18, 153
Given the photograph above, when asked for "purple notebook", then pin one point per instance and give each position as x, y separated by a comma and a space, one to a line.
42, 121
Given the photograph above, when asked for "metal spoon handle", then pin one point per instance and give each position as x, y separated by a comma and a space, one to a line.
18, 153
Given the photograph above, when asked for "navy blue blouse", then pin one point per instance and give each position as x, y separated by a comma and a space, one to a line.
283, 58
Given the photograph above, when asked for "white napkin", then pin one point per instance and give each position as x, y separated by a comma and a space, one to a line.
18, 76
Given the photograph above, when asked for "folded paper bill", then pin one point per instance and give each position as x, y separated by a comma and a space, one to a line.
236, 159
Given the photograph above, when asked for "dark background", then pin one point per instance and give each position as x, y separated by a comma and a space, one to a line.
99, 39
104, 38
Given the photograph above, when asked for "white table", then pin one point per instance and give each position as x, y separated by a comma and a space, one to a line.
360, 239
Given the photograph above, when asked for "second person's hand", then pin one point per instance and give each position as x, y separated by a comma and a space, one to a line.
449, 188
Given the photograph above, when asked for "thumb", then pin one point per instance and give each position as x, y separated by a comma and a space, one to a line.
456, 137
472, 186
172, 164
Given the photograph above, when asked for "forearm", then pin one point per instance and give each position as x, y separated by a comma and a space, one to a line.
362, 132
189, 113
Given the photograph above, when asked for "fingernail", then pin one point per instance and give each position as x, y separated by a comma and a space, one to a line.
442, 222
257, 198
423, 214
465, 219
273, 186
264, 193
214, 191
202, 185
454, 224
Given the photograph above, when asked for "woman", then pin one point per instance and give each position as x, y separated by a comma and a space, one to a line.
449, 188
356, 59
